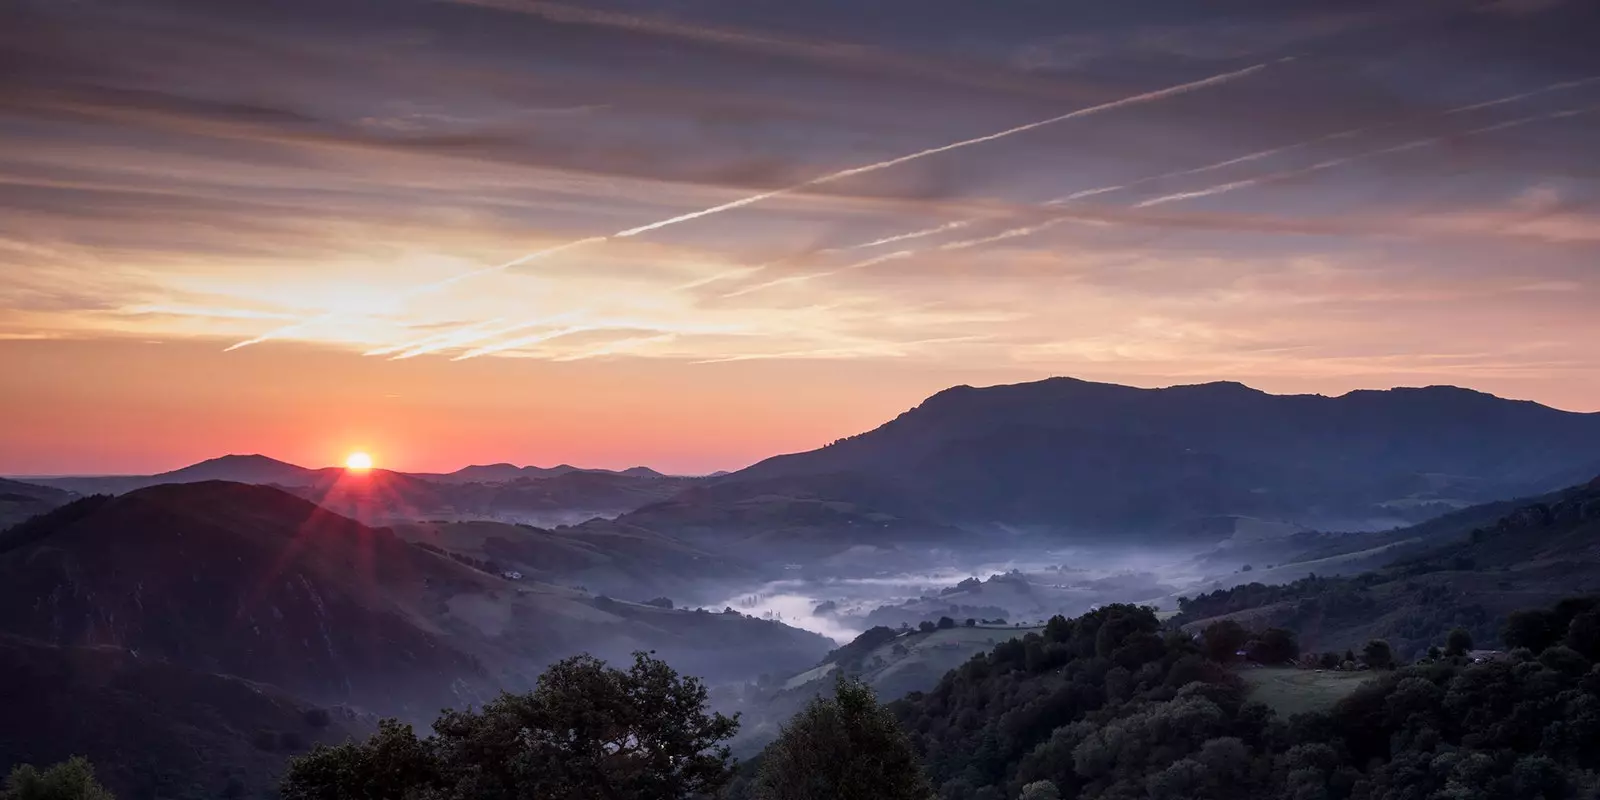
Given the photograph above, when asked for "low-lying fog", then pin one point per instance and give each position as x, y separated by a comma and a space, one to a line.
1025, 589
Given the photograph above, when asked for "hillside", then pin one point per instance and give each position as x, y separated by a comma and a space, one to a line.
1471, 576
197, 735
1069, 455
612, 559
253, 582
19, 501
503, 472
569, 497
787, 518
247, 581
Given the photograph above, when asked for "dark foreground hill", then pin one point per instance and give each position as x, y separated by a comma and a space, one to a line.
154, 729
1072, 456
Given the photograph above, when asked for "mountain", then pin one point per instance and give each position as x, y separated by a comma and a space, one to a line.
1067, 455
196, 734
253, 582
801, 518
19, 501
245, 581
614, 560
236, 468
500, 473
381, 496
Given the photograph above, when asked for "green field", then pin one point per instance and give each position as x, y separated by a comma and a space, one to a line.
1295, 691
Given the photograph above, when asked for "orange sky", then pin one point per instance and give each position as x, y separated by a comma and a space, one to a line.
126, 406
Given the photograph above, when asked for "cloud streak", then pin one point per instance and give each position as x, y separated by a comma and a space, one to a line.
1145, 97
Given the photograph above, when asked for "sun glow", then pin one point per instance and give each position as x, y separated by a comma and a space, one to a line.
358, 462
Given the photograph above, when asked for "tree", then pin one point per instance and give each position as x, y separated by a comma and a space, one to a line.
1377, 654
72, 779
1224, 639
1583, 635
1274, 646
1458, 643
971, 623
659, 602
946, 623
587, 731
927, 626
842, 748
1040, 790
1534, 630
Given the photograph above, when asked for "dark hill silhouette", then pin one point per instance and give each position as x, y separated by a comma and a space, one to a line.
380, 496
19, 501
503, 472
236, 468
1075, 455
242, 580
195, 734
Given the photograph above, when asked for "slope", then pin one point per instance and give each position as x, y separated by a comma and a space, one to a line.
1471, 577
19, 501
195, 735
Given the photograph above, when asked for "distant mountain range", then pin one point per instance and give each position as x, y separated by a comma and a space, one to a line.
1062, 458
19, 501
1072, 457
261, 469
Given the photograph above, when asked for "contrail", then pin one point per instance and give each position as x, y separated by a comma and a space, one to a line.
938, 229
895, 256
427, 340
526, 340
1345, 134
1224, 188
426, 288
880, 165
467, 336
1144, 97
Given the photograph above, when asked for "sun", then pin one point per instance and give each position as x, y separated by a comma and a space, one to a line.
359, 462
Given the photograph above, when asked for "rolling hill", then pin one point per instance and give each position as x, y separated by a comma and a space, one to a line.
253, 582
1469, 575
236, 468
1070, 456
19, 501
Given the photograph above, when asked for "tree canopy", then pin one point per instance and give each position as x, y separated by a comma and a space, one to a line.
72, 779
845, 747
587, 731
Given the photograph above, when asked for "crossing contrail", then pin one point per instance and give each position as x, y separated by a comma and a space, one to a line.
895, 256
1271, 177
1137, 99
1146, 97
1345, 134
934, 231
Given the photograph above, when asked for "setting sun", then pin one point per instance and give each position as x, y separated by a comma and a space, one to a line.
360, 462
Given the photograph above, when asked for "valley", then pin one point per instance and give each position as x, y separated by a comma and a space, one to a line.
972, 523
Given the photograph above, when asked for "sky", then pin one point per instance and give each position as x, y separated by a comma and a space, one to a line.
695, 233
